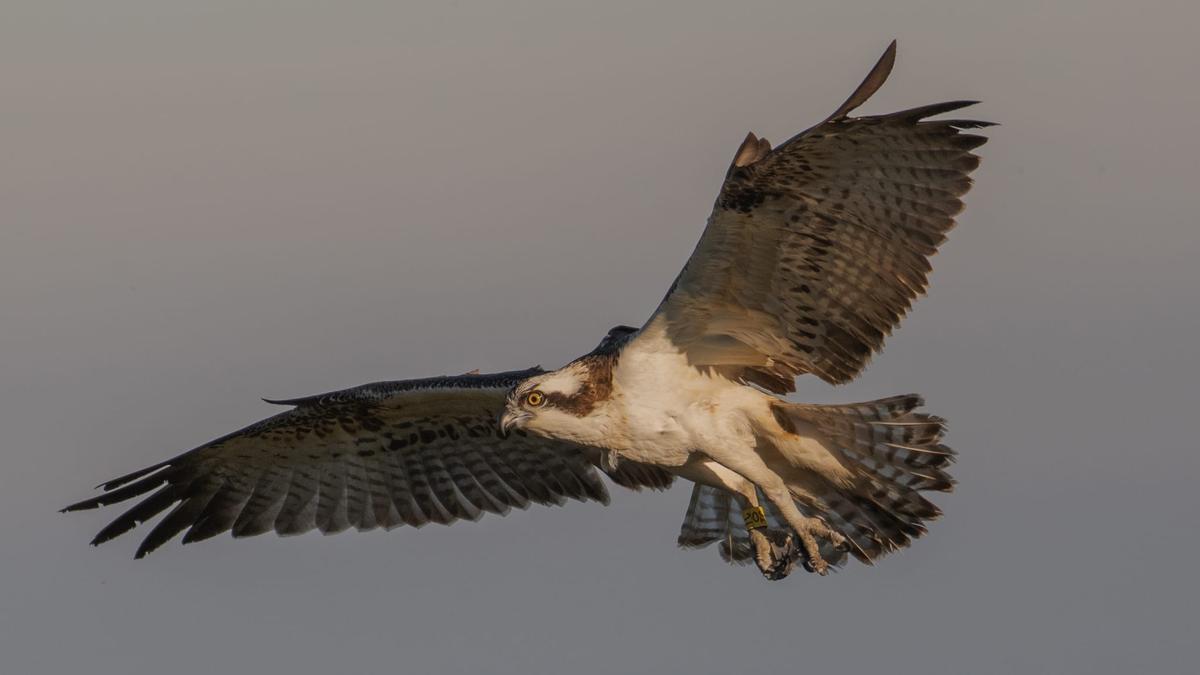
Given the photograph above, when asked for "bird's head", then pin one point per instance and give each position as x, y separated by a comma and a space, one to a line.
556, 404
563, 404
569, 403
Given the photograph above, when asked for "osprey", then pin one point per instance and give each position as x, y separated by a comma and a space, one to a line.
813, 253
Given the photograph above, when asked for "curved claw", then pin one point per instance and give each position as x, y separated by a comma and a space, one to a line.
775, 552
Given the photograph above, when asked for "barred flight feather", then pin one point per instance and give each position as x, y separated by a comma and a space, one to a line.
895, 454
382, 455
816, 249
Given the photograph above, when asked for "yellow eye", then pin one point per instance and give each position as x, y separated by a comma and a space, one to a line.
535, 398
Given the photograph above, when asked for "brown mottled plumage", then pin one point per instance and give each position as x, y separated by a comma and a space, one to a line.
380, 455
817, 248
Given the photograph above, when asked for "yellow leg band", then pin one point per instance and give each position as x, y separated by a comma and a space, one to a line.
755, 518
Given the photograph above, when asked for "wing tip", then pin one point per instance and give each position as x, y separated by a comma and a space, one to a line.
929, 110
110, 485
871, 83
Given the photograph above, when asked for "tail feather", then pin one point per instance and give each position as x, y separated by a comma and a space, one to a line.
896, 454
707, 517
713, 516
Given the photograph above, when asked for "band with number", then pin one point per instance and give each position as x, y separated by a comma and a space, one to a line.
755, 518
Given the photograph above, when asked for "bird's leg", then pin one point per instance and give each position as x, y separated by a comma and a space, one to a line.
752, 468
775, 551
808, 530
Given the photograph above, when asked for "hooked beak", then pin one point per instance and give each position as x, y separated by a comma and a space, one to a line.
513, 419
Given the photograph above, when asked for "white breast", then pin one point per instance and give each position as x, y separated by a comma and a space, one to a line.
669, 408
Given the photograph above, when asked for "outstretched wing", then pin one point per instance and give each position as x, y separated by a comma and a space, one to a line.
817, 248
379, 455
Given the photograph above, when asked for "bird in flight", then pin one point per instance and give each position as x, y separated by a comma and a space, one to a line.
814, 251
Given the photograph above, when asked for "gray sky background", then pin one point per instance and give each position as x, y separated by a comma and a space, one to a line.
209, 202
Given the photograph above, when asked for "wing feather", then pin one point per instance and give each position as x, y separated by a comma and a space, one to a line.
331, 499
261, 505
380, 455
182, 516
219, 515
817, 249
299, 512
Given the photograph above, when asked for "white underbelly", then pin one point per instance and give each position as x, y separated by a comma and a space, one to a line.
658, 437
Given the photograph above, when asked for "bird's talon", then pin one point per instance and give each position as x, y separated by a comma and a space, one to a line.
775, 552
812, 551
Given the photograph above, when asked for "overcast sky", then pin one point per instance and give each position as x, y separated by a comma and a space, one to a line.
204, 203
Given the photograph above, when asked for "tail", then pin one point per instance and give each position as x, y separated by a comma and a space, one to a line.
894, 453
